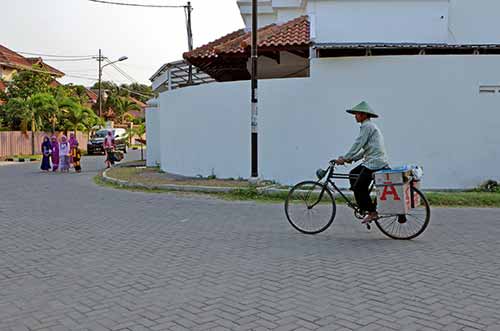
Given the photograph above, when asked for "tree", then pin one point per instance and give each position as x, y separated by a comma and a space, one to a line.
27, 83
139, 91
122, 106
74, 115
34, 113
140, 130
142, 92
92, 122
13, 112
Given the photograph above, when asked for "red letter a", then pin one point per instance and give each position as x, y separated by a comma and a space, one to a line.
390, 190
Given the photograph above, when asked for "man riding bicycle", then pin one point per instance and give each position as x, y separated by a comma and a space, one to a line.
369, 145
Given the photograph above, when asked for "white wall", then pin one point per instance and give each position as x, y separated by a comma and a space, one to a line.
153, 136
348, 21
431, 114
474, 22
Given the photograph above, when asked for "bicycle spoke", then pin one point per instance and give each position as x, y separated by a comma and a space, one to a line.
407, 226
314, 211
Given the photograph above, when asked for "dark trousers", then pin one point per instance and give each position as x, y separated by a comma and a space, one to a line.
360, 186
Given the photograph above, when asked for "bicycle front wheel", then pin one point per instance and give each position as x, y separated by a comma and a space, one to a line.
408, 226
310, 207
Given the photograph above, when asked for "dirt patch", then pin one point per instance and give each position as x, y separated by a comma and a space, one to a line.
152, 176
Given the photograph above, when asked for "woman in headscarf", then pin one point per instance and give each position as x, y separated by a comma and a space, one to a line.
64, 153
46, 151
55, 153
109, 146
73, 144
76, 155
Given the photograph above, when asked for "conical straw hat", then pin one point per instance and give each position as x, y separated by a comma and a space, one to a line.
363, 107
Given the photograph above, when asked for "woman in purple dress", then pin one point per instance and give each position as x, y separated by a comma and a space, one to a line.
55, 153
46, 151
73, 145
64, 153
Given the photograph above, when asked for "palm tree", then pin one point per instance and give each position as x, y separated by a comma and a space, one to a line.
75, 116
140, 130
35, 112
122, 106
92, 122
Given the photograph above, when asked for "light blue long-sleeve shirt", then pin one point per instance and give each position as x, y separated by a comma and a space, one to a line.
369, 145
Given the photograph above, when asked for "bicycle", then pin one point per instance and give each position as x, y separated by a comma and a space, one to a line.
310, 207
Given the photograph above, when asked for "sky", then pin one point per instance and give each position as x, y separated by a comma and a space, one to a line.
149, 37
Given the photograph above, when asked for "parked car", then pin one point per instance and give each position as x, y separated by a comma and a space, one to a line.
96, 143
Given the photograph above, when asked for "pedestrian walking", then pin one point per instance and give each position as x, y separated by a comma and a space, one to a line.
109, 145
76, 154
73, 144
64, 153
46, 151
55, 153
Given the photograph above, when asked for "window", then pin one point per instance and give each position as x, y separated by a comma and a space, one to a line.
489, 89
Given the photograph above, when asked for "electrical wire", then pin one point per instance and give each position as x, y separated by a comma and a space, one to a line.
82, 77
56, 56
88, 78
136, 4
122, 72
137, 93
67, 60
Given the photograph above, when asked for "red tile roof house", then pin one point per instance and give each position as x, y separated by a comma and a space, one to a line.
283, 52
11, 62
316, 59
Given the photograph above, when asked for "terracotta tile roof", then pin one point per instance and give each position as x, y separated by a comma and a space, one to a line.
208, 50
11, 58
292, 33
91, 95
50, 69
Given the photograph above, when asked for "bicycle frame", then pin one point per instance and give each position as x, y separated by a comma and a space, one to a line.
329, 180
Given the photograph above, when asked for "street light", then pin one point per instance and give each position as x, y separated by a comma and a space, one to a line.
123, 58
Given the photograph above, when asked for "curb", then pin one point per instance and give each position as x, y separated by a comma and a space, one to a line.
267, 190
18, 161
184, 188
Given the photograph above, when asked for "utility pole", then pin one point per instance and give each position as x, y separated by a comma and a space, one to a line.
187, 8
100, 81
190, 39
101, 67
255, 101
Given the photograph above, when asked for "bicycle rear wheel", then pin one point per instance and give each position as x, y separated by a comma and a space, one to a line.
409, 226
310, 207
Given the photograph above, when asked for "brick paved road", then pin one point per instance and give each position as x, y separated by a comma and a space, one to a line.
74, 256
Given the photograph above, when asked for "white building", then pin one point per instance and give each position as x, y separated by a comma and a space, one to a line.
431, 68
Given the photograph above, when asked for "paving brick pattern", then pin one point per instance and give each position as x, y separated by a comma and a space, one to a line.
75, 256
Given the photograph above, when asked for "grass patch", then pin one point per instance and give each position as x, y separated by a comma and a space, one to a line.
464, 199
26, 158
250, 193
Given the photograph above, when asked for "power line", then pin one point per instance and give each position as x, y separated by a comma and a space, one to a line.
124, 74
67, 60
48, 73
187, 12
82, 77
136, 93
54, 55
136, 4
